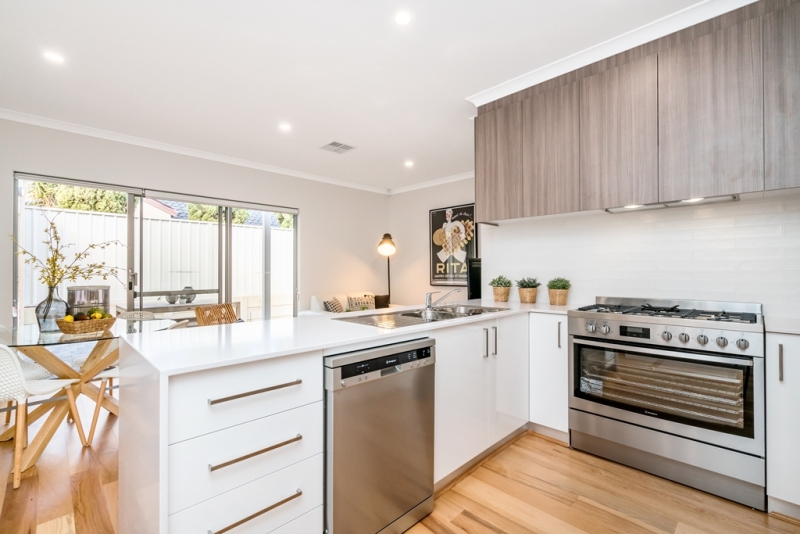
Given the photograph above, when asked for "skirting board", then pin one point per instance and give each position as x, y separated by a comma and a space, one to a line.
784, 510
445, 483
551, 433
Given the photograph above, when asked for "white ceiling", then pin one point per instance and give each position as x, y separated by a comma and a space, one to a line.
219, 76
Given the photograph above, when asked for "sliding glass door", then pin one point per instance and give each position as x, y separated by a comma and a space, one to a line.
173, 253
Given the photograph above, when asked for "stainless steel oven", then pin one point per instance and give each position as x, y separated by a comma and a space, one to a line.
681, 396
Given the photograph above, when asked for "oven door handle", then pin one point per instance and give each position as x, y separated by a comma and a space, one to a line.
730, 360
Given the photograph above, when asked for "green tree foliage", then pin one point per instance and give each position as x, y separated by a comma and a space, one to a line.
77, 198
286, 220
203, 212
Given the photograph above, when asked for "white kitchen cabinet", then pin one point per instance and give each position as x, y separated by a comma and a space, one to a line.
549, 371
508, 376
460, 422
481, 388
783, 423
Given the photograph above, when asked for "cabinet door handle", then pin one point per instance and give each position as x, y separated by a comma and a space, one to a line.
780, 363
232, 526
213, 468
212, 402
486, 340
495, 341
559, 334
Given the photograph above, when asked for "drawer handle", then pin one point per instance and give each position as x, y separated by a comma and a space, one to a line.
780, 363
212, 402
213, 468
262, 512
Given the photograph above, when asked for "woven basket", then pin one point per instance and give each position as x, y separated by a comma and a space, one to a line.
85, 327
501, 293
527, 295
558, 297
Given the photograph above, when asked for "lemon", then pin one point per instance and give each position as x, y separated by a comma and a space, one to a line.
97, 316
69, 319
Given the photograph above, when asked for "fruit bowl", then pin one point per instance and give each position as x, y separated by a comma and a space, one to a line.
85, 327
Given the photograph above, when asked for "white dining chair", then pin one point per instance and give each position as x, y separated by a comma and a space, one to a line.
15, 387
179, 325
32, 371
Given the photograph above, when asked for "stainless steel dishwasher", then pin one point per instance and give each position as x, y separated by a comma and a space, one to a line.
379, 438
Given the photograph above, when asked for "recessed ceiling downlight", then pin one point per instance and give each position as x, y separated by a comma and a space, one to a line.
285, 126
402, 18
409, 163
691, 200
54, 57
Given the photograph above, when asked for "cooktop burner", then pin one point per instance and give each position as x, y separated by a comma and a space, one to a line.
675, 312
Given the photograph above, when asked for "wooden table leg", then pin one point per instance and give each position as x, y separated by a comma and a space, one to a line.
97, 352
45, 434
109, 403
49, 361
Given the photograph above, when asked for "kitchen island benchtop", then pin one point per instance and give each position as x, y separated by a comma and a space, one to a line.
174, 352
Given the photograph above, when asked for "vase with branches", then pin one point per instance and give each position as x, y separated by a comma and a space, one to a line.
57, 268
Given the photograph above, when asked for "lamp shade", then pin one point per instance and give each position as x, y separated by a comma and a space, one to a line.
386, 247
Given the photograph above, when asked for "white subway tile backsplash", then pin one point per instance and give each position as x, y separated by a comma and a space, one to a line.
744, 251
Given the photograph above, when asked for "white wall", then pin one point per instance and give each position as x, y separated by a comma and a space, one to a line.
747, 251
408, 224
339, 227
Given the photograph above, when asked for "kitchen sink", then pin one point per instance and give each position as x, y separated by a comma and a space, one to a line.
400, 319
430, 315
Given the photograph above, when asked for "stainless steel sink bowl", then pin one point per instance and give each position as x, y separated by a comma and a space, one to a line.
467, 311
431, 315
400, 319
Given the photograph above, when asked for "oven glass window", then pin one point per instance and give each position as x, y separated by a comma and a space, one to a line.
707, 395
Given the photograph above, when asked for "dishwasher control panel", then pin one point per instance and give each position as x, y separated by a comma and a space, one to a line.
385, 362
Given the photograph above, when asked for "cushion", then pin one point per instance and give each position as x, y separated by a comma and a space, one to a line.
381, 301
333, 306
360, 303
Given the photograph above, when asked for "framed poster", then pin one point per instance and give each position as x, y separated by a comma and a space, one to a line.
453, 239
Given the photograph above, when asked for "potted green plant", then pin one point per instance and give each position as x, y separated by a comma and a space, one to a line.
501, 287
558, 289
528, 287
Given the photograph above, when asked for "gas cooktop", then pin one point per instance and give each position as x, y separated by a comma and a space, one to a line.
722, 327
675, 311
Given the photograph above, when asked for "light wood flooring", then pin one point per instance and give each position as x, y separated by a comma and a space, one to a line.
536, 485
532, 486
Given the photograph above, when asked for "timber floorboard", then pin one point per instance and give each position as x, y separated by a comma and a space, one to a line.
532, 486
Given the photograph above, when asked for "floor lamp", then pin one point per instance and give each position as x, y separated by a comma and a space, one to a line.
386, 248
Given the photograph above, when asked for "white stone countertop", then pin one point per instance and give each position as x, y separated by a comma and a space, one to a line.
781, 325
186, 350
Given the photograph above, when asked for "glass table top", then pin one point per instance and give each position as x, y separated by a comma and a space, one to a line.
29, 335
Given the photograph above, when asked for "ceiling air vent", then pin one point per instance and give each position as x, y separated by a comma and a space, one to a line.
339, 148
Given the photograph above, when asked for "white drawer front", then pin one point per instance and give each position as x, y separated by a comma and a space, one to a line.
310, 523
191, 479
217, 514
211, 400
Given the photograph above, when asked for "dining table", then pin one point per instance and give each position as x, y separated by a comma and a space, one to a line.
51, 350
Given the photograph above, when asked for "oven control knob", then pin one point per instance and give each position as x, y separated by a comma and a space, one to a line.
666, 336
742, 344
591, 327
722, 342
702, 339
684, 337
606, 329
